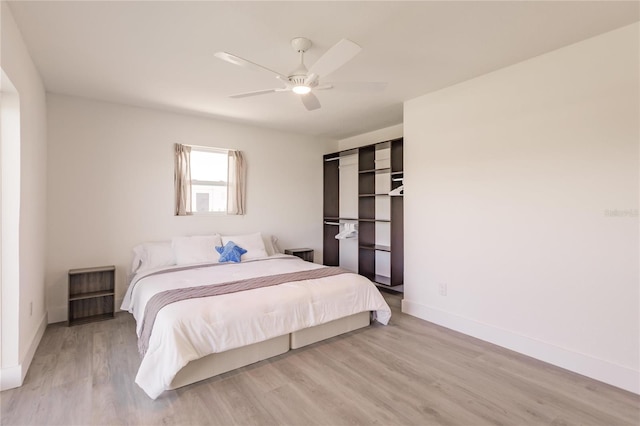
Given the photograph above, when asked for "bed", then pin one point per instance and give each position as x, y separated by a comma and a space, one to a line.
194, 338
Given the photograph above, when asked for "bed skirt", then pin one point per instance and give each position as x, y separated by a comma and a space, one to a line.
218, 363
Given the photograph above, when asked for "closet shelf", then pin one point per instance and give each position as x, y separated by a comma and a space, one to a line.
377, 247
397, 173
354, 219
383, 280
385, 170
397, 288
374, 195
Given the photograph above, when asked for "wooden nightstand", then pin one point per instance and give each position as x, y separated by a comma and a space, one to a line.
91, 294
302, 253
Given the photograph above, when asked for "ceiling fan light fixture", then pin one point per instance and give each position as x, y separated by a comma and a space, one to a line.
301, 89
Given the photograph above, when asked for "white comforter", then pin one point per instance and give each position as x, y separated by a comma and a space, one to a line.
191, 329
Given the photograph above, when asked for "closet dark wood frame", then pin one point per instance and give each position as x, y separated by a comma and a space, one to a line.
367, 246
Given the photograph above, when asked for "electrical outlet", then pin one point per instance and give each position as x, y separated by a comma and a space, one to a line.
442, 289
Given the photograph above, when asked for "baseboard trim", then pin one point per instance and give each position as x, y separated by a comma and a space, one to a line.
13, 377
603, 371
10, 377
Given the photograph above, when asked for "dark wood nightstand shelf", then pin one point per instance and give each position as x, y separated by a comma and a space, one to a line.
91, 294
303, 253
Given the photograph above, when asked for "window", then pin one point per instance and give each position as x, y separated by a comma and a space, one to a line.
209, 178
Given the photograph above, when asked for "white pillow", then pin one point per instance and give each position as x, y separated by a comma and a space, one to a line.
196, 249
252, 243
271, 244
152, 255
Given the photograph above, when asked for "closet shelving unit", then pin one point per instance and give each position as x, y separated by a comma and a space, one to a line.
372, 252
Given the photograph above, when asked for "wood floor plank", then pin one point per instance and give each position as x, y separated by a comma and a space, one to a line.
408, 373
413, 384
579, 389
324, 383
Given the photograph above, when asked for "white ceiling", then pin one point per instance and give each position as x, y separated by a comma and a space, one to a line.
159, 54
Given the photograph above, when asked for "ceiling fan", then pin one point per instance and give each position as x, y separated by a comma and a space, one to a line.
303, 81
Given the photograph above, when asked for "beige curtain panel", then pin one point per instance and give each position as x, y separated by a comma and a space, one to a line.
182, 179
236, 186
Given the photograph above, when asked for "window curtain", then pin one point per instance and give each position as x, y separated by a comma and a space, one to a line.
236, 186
182, 179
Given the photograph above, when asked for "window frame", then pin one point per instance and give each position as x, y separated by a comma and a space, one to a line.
194, 182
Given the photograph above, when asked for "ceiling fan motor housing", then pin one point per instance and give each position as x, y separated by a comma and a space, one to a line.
300, 44
298, 77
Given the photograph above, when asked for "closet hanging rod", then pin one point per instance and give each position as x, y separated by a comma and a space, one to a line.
332, 159
332, 223
397, 179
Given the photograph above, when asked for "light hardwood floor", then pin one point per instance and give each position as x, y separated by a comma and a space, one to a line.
410, 372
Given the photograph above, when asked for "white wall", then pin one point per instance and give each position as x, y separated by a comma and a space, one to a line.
10, 202
111, 185
513, 182
24, 327
380, 135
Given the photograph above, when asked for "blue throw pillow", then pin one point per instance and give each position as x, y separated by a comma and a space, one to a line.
230, 252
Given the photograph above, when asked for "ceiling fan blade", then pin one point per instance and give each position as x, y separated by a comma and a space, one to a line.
237, 60
324, 86
341, 53
358, 86
310, 101
256, 93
